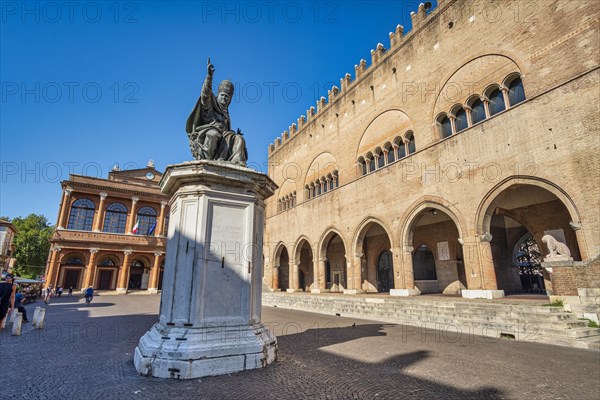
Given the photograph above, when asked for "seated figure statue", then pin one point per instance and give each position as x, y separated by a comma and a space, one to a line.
209, 127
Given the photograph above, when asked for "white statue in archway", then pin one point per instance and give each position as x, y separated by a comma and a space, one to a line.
558, 251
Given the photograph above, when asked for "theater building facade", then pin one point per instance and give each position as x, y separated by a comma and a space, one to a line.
429, 169
110, 233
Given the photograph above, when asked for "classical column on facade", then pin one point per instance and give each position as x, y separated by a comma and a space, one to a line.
64, 208
468, 110
486, 106
90, 271
132, 215
161, 219
479, 268
99, 216
52, 272
504, 90
320, 285
404, 278
123, 280
452, 123
155, 273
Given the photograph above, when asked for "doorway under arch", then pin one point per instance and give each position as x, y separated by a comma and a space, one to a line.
334, 252
372, 241
437, 259
519, 211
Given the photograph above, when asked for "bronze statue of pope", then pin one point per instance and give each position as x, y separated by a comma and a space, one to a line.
209, 126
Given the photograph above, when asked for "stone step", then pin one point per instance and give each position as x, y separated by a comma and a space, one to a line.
589, 292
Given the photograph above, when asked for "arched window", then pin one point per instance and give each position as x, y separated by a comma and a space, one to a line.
115, 218
146, 221
391, 156
371, 159
516, 92
410, 141
82, 215
319, 187
460, 121
331, 182
496, 102
401, 148
107, 262
313, 190
336, 179
445, 127
325, 185
379, 157
362, 166
424, 264
477, 111
74, 261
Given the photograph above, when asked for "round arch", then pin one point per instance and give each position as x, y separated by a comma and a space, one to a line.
325, 238
360, 232
493, 198
506, 56
423, 203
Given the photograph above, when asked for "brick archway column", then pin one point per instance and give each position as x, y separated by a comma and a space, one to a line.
98, 218
408, 269
90, 271
53, 267
124, 273
358, 269
154, 274
294, 276
275, 280
487, 275
63, 209
322, 282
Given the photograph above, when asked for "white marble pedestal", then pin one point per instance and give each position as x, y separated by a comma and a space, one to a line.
210, 307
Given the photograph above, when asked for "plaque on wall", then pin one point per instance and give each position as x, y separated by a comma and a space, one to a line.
443, 250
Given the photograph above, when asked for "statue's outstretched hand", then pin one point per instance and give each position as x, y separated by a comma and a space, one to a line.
210, 68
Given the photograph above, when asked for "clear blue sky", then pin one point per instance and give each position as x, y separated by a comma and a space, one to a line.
86, 85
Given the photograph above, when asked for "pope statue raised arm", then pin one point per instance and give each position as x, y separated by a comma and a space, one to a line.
209, 126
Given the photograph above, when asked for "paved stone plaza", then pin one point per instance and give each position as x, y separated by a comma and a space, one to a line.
86, 352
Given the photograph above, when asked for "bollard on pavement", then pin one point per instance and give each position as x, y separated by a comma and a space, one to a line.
17, 323
36, 313
13, 315
40, 321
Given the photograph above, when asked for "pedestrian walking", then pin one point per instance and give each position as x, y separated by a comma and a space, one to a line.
60, 290
7, 296
70, 291
48, 295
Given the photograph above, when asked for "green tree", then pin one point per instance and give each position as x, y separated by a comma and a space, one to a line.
32, 243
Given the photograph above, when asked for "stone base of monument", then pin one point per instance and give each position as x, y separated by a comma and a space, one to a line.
180, 353
211, 296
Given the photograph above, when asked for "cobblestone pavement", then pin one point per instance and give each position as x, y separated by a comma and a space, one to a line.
85, 352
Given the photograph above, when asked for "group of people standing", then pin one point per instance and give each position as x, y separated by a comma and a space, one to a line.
11, 297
